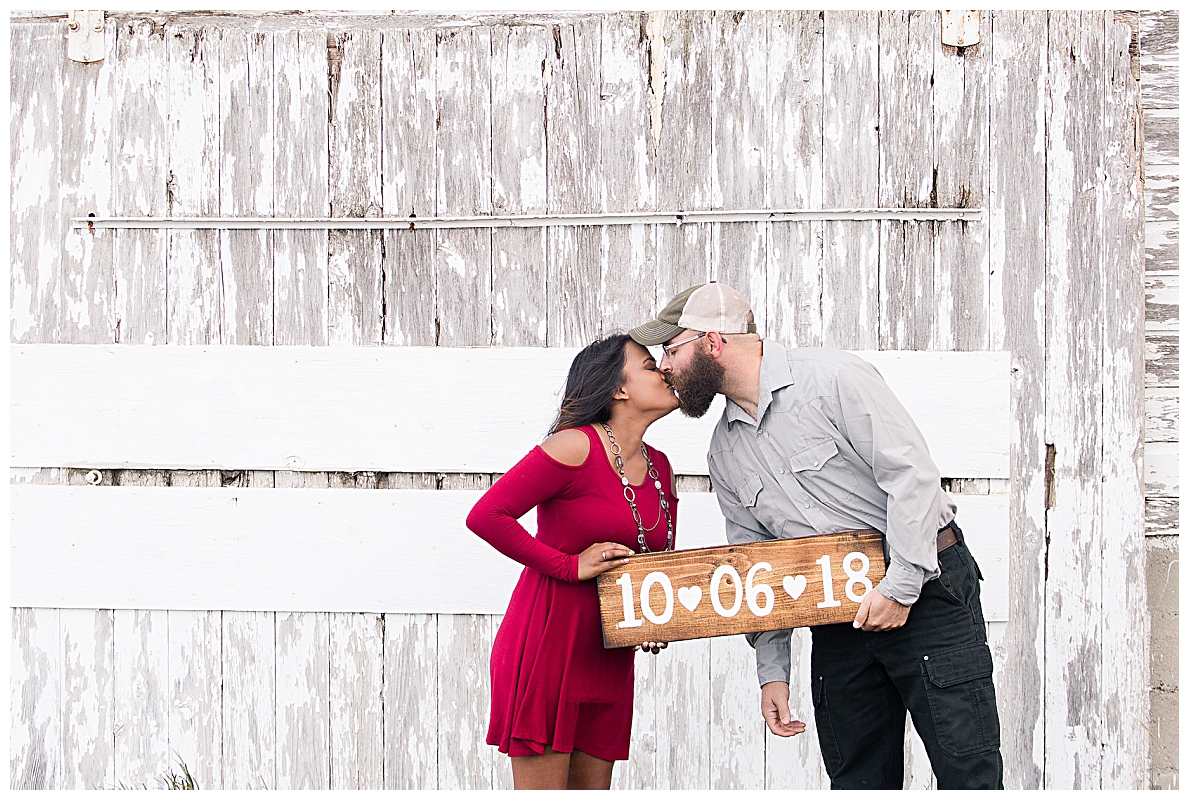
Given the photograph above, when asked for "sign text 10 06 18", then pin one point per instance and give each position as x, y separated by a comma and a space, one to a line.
719, 591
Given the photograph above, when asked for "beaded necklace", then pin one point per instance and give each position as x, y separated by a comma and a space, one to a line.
629, 493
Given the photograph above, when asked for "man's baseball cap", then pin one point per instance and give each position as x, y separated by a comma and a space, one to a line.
706, 307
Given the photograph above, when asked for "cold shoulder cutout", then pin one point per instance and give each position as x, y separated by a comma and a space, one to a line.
570, 447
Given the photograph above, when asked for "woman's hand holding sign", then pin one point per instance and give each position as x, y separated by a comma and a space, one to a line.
600, 557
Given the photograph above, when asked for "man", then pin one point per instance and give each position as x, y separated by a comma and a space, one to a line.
811, 442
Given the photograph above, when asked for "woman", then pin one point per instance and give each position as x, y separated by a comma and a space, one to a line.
561, 704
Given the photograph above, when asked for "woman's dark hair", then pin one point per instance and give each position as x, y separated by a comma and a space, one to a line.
596, 373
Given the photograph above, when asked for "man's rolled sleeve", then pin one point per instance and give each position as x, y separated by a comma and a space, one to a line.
902, 582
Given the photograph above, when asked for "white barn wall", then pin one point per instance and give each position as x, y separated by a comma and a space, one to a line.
630, 104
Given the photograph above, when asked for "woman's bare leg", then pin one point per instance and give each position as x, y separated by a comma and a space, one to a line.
547, 771
588, 772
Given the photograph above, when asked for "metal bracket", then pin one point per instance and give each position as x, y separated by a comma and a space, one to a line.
85, 37
959, 28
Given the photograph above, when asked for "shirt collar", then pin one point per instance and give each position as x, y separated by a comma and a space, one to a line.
774, 375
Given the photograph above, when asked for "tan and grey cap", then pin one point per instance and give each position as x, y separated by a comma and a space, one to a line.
707, 307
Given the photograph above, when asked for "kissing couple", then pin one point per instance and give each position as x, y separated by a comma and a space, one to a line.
811, 442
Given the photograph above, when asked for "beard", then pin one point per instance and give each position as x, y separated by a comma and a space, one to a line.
697, 385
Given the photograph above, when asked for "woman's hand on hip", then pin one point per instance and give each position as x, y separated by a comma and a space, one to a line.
600, 557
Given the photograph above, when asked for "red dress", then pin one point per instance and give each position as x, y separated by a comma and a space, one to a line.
552, 681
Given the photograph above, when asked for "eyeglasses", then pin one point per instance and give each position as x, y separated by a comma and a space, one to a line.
669, 348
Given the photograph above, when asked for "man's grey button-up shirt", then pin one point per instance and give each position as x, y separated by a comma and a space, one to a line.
832, 450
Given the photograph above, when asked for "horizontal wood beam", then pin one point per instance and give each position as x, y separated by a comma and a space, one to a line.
400, 551
400, 409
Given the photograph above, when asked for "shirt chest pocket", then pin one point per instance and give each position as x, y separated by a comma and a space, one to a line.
761, 504
823, 472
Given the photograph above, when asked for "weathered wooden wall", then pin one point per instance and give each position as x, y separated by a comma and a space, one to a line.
308, 115
1159, 50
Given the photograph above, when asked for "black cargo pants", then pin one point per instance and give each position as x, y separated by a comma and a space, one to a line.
937, 665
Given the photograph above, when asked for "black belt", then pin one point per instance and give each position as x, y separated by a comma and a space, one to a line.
946, 538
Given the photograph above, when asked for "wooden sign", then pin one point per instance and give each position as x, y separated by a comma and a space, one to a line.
720, 591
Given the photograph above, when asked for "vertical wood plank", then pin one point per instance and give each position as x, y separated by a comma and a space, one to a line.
501, 765
88, 698
685, 157
87, 279
464, 701
47, 475
34, 136
210, 478
795, 763
736, 725
142, 697
683, 754
246, 109
795, 296
355, 311
1125, 615
301, 174
574, 183
1018, 309
639, 771
463, 257
303, 701
193, 272
518, 266
850, 178
196, 694
960, 133
918, 774
284, 479
249, 700
36, 734
356, 707
633, 74
1073, 604
906, 159
409, 125
742, 158
139, 180
411, 701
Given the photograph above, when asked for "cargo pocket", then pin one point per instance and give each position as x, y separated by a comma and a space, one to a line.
831, 755
962, 699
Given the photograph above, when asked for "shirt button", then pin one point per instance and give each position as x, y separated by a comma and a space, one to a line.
781, 471
807, 505
815, 463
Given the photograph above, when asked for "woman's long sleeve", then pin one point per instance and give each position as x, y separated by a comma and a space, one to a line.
533, 480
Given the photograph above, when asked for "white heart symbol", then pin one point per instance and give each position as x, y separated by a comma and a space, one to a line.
690, 596
794, 586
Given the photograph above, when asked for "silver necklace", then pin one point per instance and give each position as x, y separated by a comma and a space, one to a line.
629, 493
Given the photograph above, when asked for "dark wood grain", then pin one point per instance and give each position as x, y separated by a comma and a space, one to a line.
695, 569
